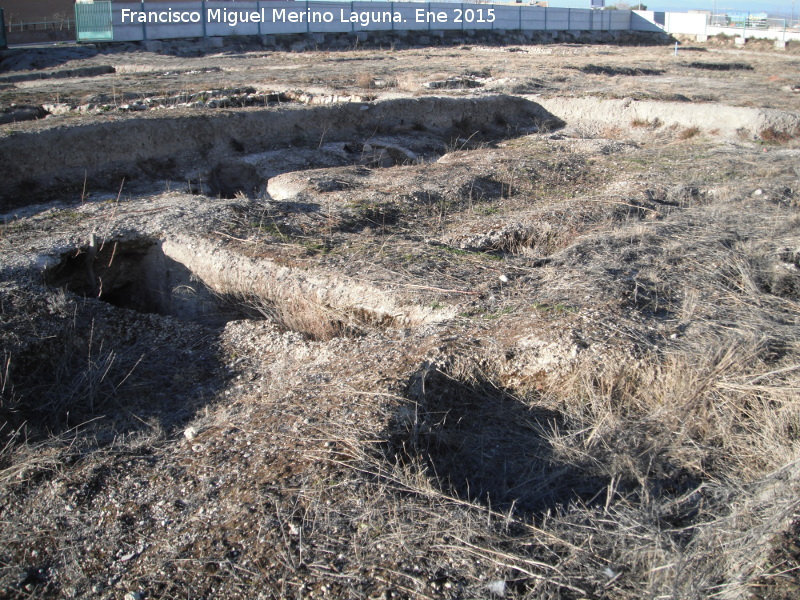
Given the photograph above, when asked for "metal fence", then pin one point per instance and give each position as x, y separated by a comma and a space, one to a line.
753, 22
61, 25
783, 25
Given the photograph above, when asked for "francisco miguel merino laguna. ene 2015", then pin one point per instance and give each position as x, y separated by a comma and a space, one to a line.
283, 15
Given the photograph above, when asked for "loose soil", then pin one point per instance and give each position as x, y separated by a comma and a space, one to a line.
284, 324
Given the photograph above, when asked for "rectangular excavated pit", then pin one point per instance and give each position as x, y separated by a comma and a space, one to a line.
136, 274
192, 282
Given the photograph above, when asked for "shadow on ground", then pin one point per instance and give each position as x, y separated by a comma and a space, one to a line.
84, 363
482, 443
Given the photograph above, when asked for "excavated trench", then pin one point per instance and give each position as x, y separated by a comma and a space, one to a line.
238, 152
230, 151
191, 280
137, 275
64, 160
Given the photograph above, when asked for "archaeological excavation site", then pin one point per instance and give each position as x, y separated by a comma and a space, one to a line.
437, 318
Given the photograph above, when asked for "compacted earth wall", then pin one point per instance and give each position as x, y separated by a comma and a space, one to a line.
59, 160
55, 160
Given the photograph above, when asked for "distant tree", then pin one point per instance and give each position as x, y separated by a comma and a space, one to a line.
61, 19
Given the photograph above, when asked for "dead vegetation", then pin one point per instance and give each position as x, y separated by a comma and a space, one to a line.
688, 133
772, 136
559, 365
640, 456
646, 123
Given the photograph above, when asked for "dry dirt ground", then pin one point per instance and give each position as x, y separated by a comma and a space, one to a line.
293, 324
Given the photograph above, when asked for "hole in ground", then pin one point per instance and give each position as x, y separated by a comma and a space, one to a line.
613, 71
230, 178
136, 274
708, 66
482, 443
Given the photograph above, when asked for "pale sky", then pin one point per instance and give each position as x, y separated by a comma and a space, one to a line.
777, 8
753, 6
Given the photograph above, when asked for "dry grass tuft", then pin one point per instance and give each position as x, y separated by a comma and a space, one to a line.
660, 463
293, 309
365, 80
409, 82
689, 133
770, 135
646, 123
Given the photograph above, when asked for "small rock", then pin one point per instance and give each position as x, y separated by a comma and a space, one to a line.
497, 587
190, 433
59, 108
133, 596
